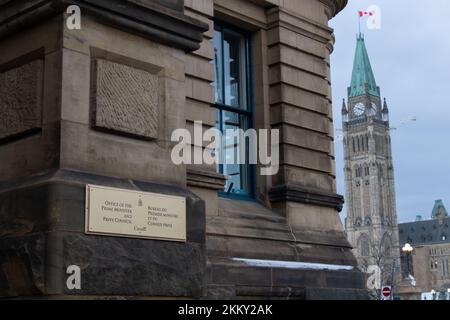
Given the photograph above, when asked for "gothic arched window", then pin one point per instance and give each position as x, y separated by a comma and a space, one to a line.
386, 245
358, 171
366, 170
364, 246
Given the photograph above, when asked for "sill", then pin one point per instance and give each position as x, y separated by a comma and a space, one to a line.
235, 196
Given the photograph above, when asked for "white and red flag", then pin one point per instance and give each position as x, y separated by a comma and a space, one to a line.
366, 13
373, 15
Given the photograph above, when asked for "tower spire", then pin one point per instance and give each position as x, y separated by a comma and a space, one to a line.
385, 111
439, 210
385, 107
362, 75
344, 111
344, 107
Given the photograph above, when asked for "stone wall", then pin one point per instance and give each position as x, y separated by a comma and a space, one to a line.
93, 106
101, 105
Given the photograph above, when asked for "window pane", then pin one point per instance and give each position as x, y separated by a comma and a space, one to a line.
231, 92
218, 64
234, 69
238, 171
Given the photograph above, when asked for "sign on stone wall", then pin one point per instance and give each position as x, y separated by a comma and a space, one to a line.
129, 213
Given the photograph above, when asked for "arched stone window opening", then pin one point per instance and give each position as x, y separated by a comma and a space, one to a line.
364, 246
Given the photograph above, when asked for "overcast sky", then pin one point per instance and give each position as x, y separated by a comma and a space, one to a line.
410, 57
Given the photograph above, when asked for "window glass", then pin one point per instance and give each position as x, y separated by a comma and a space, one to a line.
232, 104
218, 64
234, 49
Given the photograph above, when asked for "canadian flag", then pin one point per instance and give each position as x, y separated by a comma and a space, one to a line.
373, 16
365, 13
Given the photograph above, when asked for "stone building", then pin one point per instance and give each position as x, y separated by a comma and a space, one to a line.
98, 105
371, 222
429, 262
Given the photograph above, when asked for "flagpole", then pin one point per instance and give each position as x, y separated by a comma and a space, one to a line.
359, 25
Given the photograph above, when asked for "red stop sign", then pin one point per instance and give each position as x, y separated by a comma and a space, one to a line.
386, 292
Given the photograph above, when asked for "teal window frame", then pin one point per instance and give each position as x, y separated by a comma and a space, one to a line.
243, 109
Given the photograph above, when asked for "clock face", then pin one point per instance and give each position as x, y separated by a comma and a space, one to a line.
359, 109
373, 109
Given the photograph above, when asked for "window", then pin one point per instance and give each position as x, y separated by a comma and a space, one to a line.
446, 264
233, 104
364, 246
358, 171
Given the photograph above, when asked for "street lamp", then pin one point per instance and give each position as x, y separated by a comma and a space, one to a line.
407, 249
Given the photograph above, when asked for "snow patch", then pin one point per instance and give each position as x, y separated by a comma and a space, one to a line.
292, 265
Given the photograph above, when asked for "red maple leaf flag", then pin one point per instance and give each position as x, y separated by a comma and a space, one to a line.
365, 13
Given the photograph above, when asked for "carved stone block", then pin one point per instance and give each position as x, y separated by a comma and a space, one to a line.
125, 99
21, 99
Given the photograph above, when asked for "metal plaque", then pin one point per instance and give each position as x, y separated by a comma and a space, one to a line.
135, 214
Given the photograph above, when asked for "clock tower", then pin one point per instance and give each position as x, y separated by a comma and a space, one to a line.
371, 222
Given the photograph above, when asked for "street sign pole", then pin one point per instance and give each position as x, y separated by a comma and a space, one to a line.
394, 266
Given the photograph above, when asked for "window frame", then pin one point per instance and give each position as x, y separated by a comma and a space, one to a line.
248, 112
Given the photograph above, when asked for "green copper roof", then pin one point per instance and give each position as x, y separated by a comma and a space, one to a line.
362, 72
438, 209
